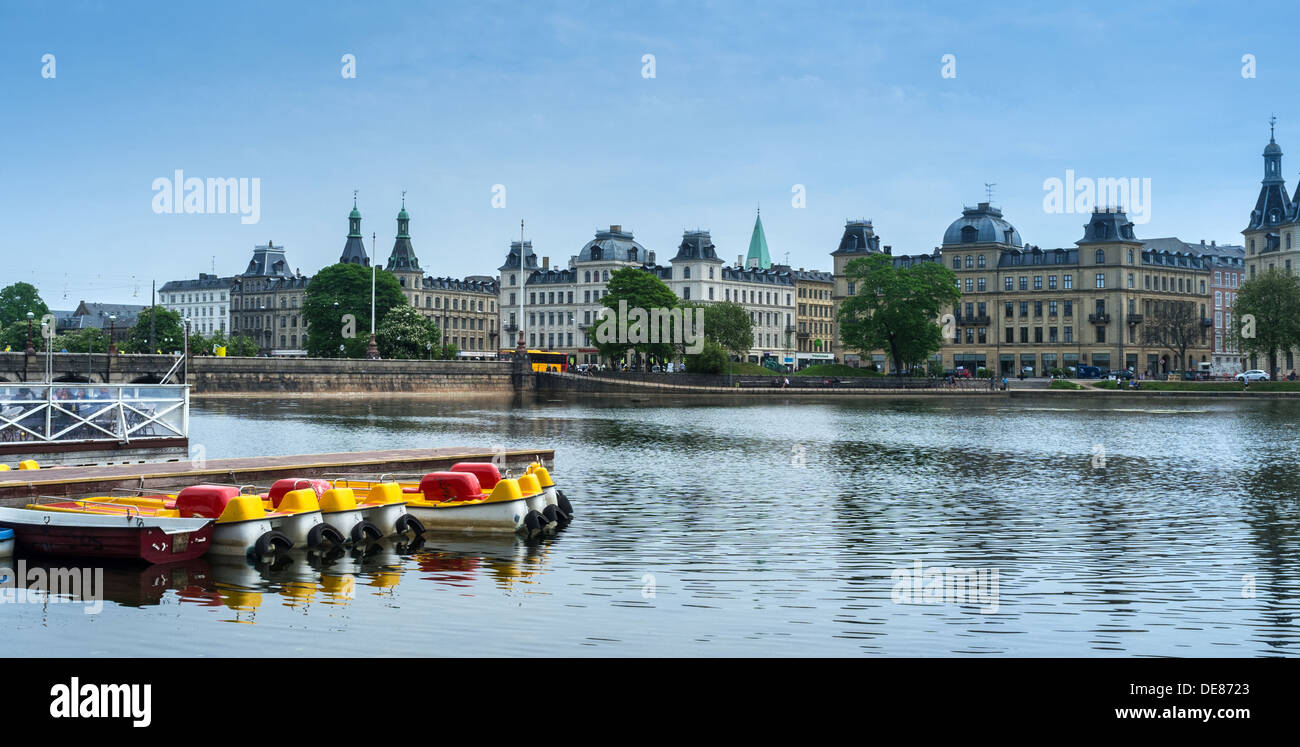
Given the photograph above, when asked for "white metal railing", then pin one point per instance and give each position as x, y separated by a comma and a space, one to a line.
108, 412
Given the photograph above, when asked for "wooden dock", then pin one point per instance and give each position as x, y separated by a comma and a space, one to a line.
22, 486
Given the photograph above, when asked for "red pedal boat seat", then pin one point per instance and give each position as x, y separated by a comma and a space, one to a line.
280, 488
450, 486
204, 501
487, 473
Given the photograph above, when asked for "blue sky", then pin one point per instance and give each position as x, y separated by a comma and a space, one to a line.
549, 100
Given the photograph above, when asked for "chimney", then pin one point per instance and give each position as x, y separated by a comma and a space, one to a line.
1212, 241
740, 261
652, 256
889, 249
1202, 242
616, 229
546, 263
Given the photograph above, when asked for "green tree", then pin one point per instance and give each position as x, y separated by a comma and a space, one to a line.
729, 325
895, 308
712, 359
82, 340
241, 346
450, 351
340, 290
1268, 315
168, 332
406, 333
18, 299
643, 294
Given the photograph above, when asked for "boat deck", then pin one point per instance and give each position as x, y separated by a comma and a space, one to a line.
20, 487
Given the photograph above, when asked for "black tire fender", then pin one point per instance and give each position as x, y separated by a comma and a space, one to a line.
322, 533
564, 504
271, 542
407, 522
533, 521
364, 531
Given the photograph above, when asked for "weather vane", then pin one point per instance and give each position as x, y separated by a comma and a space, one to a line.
1272, 120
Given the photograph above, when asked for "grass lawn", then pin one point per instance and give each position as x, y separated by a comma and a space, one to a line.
1063, 384
835, 370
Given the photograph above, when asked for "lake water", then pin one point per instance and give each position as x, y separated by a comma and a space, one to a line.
1091, 527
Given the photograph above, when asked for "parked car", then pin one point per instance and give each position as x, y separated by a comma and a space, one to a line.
960, 373
1090, 372
1124, 375
1252, 375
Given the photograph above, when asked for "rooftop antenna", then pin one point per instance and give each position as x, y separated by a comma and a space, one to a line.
1272, 120
988, 191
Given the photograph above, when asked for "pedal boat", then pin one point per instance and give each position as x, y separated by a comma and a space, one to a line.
379, 513
241, 526
563, 512
68, 529
455, 501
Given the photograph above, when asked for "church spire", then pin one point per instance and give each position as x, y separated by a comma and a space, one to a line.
1273, 206
758, 256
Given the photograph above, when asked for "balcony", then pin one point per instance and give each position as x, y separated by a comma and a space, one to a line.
804, 335
789, 329
974, 320
1134, 318
1099, 318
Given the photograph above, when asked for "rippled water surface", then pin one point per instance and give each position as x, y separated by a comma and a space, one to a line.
1113, 527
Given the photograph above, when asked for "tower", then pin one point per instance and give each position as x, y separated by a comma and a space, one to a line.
354, 251
1267, 231
758, 256
402, 262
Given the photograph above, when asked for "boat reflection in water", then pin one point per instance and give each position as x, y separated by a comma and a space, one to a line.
122, 584
335, 576
511, 562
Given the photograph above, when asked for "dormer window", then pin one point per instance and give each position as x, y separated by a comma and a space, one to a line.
969, 235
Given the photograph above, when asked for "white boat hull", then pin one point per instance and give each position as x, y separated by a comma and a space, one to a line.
385, 517
297, 526
238, 538
500, 516
345, 521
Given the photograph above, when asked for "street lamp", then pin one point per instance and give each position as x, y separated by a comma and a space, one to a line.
30, 349
112, 338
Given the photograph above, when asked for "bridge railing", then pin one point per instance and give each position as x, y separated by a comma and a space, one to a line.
61, 413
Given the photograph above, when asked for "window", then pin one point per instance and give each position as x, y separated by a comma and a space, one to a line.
1038, 282
1101, 256
956, 263
1051, 282
970, 261
1069, 308
1011, 335
1024, 309
1009, 283
980, 260
1051, 308
1130, 280
970, 285
980, 286
1068, 281
1024, 334
686, 273
1069, 334
1101, 334
1038, 308
1101, 280
1024, 282
1010, 310
1051, 334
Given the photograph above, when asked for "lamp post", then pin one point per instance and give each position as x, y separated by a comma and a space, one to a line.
372, 350
112, 337
336, 316
30, 349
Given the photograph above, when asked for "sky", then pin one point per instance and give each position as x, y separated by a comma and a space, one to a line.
853, 107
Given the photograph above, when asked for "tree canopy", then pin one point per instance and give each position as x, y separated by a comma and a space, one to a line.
168, 332
339, 290
896, 309
729, 325
646, 301
406, 333
1268, 315
18, 299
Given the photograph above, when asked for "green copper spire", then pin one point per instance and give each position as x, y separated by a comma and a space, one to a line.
758, 256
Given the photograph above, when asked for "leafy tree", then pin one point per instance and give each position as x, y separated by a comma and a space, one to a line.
1268, 315
18, 299
712, 359
643, 293
406, 333
242, 346
14, 336
729, 325
339, 290
82, 340
168, 332
895, 308
1176, 326
450, 351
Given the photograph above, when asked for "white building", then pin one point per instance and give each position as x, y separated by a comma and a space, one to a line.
204, 301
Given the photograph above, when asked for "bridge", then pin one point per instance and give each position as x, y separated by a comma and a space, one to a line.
97, 368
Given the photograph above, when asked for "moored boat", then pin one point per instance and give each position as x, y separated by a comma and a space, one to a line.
241, 526
378, 514
6, 542
455, 501
67, 529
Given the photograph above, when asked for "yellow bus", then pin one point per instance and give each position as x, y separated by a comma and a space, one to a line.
541, 360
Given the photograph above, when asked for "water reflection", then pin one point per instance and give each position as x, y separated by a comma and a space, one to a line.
699, 532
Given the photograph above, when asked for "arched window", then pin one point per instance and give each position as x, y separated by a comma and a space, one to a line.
1101, 257
686, 273
980, 261
970, 261
969, 235
587, 276
604, 276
